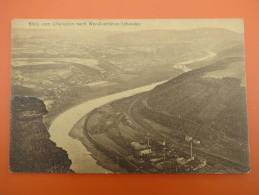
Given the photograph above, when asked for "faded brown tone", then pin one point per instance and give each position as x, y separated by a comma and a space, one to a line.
133, 96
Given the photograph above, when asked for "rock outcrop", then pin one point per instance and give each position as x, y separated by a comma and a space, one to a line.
31, 150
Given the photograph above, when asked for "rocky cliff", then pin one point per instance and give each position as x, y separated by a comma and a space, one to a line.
31, 150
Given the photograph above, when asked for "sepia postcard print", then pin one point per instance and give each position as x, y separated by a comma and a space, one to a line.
128, 96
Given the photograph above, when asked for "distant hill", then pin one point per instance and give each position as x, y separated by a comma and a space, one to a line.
213, 39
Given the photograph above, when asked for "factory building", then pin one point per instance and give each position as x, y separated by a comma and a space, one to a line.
140, 150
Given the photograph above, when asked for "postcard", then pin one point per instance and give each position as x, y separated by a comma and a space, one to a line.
128, 96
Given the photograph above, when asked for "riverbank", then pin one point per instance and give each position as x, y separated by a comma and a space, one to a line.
77, 132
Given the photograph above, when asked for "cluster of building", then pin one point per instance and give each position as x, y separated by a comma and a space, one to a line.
163, 157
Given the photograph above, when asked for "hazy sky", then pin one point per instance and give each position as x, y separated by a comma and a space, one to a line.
128, 25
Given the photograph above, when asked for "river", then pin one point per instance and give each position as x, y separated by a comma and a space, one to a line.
82, 161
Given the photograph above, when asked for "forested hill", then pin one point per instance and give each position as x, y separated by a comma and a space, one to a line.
210, 104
